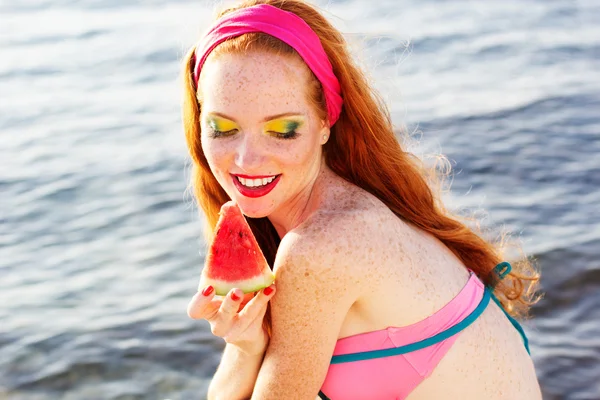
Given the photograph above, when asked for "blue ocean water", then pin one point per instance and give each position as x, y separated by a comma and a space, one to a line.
99, 240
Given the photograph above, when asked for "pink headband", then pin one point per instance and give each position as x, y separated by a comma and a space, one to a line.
285, 26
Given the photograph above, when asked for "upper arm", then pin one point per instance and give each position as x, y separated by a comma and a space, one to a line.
316, 286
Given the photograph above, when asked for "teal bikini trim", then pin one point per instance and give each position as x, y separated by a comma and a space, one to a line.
501, 269
514, 322
453, 330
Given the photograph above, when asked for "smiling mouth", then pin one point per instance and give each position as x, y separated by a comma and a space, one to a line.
255, 183
255, 187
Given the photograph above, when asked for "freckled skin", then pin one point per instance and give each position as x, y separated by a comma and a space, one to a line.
249, 88
347, 264
399, 276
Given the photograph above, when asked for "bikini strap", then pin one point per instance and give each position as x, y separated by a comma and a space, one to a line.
394, 351
322, 396
500, 271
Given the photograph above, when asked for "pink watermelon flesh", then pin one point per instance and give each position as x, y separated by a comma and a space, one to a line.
234, 259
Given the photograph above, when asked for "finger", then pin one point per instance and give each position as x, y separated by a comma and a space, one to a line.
257, 305
246, 299
261, 314
247, 325
252, 316
231, 304
203, 305
224, 320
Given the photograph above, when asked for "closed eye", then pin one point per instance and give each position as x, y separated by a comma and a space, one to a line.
286, 135
215, 133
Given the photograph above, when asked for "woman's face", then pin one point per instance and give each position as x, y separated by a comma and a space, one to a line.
260, 135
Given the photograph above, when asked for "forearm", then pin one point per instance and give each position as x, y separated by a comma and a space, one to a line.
235, 376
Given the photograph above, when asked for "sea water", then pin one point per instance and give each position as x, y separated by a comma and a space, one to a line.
100, 242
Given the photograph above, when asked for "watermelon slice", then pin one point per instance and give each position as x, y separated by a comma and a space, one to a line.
234, 259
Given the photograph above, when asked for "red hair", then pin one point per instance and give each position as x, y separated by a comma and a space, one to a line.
364, 150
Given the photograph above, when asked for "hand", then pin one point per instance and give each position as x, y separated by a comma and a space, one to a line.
237, 318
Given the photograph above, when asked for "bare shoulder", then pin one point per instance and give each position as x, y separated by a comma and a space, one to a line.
340, 240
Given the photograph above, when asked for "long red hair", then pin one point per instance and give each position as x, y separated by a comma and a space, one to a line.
364, 150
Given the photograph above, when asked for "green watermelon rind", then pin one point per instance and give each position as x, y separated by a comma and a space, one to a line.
247, 285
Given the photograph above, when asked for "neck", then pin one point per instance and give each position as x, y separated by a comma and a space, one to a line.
302, 206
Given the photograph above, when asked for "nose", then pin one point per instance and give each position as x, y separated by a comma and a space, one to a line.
250, 154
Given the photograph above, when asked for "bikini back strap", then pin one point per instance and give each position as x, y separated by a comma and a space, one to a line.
500, 271
514, 323
453, 330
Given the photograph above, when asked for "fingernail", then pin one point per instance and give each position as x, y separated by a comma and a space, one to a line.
207, 290
234, 296
268, 290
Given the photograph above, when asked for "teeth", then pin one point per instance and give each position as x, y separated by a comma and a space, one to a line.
255, 182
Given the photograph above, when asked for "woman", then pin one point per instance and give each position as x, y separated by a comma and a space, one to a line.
380, 292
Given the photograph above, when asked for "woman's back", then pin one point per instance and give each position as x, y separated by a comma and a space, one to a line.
404, 276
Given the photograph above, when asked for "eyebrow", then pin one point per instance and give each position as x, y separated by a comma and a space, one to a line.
269, 118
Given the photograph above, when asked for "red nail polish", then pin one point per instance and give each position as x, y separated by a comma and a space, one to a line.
268, 291
235, 297
207, 291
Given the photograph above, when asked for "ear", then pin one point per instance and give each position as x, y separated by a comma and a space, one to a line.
324, 132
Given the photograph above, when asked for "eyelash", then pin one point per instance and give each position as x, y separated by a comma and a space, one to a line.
215, 134
285, 136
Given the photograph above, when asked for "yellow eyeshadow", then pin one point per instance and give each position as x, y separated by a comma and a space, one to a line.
282, 125
221, 125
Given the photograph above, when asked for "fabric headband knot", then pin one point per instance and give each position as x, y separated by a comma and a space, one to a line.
285, 26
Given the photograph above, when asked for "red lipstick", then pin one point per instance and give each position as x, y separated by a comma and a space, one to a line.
258, 191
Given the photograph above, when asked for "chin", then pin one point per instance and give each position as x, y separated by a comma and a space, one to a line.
253, 210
